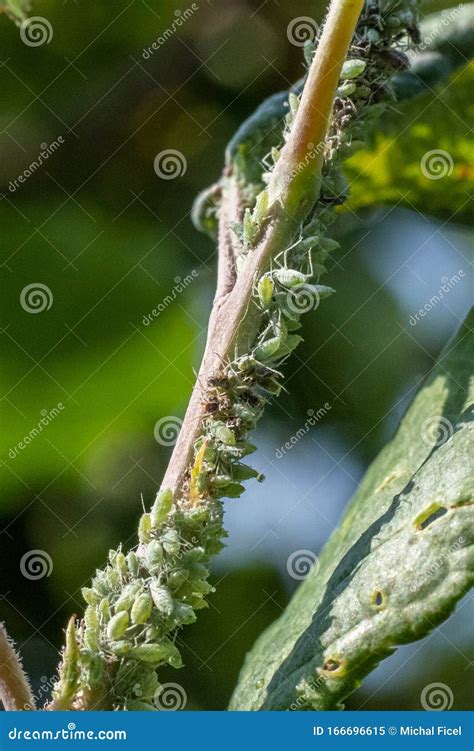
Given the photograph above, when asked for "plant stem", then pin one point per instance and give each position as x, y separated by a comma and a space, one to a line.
293, 189
15, 692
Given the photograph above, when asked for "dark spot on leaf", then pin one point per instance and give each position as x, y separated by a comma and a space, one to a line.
378, 599
331, 665
431, 514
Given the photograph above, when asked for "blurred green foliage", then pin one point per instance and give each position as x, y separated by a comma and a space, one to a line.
109, 237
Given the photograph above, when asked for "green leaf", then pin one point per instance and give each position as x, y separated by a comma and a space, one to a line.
401, 559
423, 159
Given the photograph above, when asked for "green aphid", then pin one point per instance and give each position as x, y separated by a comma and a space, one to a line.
117, 625
104, 610
141, 609
162, 598
364, 91
92, 633
100, 584
144, 528
94, 666
154, 555
265, 289
294, 102
90, 619
346, 89
245, 412
157, 653
290, 344
328, 244
261, 207
91, 597
250, 228
233, 490
135, 705
120, 648
244, 472
133, 564
290, 277
127, 597
220, 481
353, 68
177, 577
170, 542
224, 434
120, 564
202, 483
271, 386
265, 352
162, 507
183, 613
275, 154
113, 577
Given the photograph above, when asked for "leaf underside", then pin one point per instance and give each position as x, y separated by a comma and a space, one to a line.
401, 559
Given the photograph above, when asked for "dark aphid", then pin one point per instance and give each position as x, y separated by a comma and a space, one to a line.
396, 59
414, 33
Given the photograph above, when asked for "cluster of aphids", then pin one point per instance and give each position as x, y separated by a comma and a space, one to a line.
139, 600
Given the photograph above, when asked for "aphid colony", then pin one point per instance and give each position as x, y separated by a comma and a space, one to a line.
136, 604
